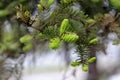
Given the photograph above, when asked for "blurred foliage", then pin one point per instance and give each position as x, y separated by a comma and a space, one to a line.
73, 21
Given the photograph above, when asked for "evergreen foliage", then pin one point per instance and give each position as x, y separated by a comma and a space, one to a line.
61, 22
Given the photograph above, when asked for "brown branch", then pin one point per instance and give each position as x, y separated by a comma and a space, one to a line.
90, 25
30, 25
106, 27
39, 29
117, 17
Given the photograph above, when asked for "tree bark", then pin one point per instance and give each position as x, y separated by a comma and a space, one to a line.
66, 54
92, 73
67, 58
0, 31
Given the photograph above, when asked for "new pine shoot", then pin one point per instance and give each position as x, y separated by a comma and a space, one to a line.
54, 43
64, 26
70, 37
